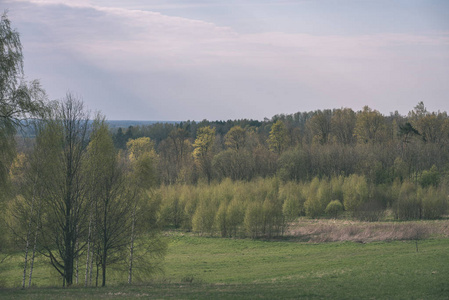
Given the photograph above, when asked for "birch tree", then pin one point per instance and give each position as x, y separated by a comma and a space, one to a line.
113, 208
203, 150
142, 161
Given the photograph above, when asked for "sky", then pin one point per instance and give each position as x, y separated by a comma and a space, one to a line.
174, 60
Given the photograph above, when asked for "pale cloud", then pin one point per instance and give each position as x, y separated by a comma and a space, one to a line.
181, 68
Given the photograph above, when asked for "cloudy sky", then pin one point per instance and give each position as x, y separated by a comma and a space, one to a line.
219, 60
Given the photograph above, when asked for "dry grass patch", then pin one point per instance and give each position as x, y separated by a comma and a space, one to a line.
317, 231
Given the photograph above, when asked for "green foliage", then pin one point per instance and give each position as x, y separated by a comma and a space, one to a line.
221, 219
319, 194
237, 165
172, 210
278, 139
320, 126
430, 177
323, 145
342, 125
235, 216
235, 139
19, 100
355, 192
293, 165
334, 208
203, 151
293, 200
143, 159
254, 219
434, 202
408, 205
370, 126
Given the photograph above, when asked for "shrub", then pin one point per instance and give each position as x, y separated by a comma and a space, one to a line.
370, 211
273, 219
221, 222
254, 219
313, 205
293, 199
434, 203
203, 219
407, 206
334, 208
355, 192
430, 177
235, 215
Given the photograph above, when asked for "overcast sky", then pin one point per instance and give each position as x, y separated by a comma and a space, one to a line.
180, 59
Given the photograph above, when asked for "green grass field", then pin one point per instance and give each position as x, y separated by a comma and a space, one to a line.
210, 268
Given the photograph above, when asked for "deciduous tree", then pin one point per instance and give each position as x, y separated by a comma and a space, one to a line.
278, 139
203, 150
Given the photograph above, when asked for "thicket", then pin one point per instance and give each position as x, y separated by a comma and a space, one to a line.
263, 207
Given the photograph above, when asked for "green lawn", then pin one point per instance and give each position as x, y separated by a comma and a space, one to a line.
207, 268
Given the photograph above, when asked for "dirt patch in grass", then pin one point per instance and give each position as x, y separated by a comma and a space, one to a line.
317, 231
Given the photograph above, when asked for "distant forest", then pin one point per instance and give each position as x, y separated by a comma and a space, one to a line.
301, 146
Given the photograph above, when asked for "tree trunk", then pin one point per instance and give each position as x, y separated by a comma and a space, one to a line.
32, 257
25, 264
96, 278
77, 263
131, 252
88, 249
28, 235
35, 244
91, 267
104, 267
86, 276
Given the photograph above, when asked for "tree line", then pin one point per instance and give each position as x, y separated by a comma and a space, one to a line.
302, 146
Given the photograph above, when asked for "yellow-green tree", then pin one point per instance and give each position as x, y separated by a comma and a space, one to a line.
203, 150
278, 138
370, 126
320, 125
143, 176
342, 125
235, 138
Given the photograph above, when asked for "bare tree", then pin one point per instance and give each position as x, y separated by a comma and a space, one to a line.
65, 205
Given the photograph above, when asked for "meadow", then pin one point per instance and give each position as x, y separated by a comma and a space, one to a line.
199, 267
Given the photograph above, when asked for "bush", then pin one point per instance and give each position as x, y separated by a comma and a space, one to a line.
430, 177
235, 215
272, 216
313, 205
407, 206
370, 211
293, 199
203, 219
221, 222
254, 219
355, 192
434, 203
334, 208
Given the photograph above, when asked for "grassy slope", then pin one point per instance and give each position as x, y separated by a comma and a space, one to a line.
228, 268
